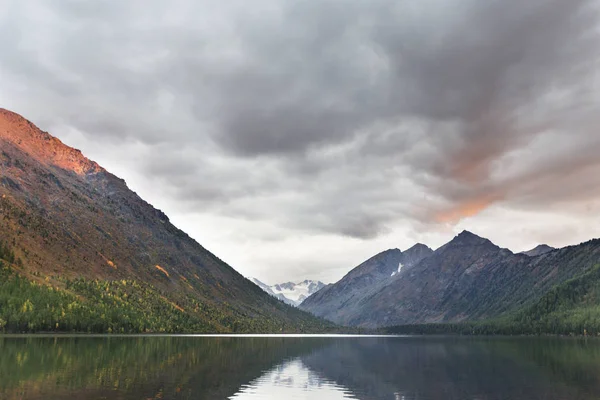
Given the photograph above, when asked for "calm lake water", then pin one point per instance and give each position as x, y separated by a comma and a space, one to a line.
253, 368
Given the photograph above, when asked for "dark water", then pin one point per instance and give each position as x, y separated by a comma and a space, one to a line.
423, 368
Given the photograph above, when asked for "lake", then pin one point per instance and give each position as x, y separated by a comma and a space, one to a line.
252, 368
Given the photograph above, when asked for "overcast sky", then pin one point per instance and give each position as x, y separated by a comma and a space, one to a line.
296, 138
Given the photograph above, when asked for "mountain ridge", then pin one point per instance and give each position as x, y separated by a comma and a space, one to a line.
13, 127
468, 278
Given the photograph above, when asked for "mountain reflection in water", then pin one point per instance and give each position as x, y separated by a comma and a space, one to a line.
289, 368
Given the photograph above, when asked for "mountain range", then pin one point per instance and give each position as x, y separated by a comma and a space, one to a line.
81, 252
71, 232
467, 279
289, 292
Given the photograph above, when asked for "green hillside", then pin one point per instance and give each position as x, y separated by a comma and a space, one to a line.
570, 308
55, 304
125, 306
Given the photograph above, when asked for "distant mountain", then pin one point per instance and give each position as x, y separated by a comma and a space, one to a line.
68, 224
469, 278
336, 301
539, 250
291, 293
571, 307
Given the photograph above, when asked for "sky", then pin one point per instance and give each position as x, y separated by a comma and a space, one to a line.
295, 139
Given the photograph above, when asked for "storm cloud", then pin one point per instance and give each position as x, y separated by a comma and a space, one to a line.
358, 124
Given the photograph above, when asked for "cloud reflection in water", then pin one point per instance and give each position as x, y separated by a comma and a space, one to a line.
292, 380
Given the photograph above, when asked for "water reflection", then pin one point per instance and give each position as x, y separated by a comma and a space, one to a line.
127, 368
298, 368
292, 380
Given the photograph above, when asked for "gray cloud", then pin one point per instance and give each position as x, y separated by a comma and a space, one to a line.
333, 117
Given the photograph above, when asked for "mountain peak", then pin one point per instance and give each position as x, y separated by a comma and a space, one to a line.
538, 250
42, 146
466, 238
466, 233
418, 248
415, 254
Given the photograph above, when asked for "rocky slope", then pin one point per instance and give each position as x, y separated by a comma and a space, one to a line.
289, 292
337, 302
469, 278
66, 217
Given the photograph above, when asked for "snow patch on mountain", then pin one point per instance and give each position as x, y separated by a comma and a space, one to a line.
290, 292
400, 266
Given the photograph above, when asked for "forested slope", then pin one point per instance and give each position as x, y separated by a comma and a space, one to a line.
570, 308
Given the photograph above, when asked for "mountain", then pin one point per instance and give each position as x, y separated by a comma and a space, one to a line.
467, 279
571, 307
538, 250
291, 293
338, 301
71, 227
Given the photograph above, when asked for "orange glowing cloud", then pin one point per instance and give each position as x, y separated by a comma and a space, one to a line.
462, 210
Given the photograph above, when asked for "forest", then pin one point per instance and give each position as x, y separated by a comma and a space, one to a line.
81, 305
